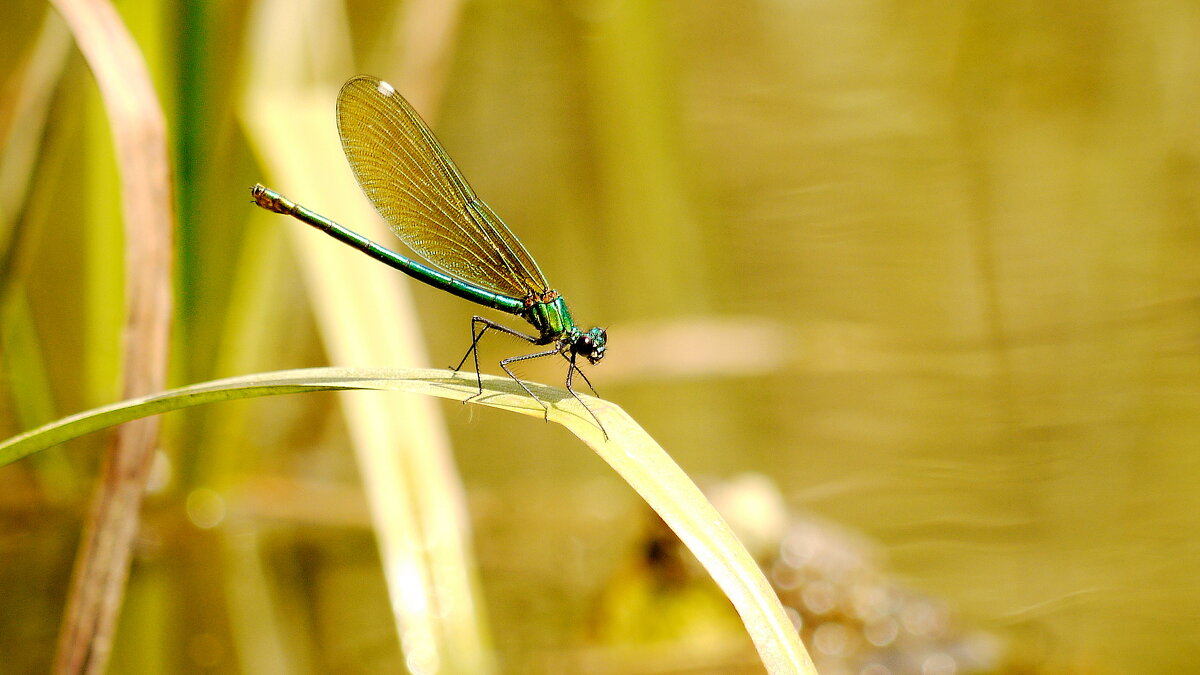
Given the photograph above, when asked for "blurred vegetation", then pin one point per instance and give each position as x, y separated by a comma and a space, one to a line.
930, 267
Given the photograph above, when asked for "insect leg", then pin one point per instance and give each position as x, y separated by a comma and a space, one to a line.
476, 336
526, 357
581, 374
571, 370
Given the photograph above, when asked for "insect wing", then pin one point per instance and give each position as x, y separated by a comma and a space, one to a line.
419, 191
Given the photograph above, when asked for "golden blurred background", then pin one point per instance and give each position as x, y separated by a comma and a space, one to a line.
931, 267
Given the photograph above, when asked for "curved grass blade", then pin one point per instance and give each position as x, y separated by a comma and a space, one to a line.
629, 450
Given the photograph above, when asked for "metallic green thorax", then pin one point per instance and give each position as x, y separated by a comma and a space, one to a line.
549, 314
552, 319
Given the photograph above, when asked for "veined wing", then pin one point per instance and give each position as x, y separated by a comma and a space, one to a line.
415, 186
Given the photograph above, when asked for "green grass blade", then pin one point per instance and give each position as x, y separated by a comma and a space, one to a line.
629, 450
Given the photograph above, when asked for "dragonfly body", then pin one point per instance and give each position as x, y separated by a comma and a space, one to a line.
418, 190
